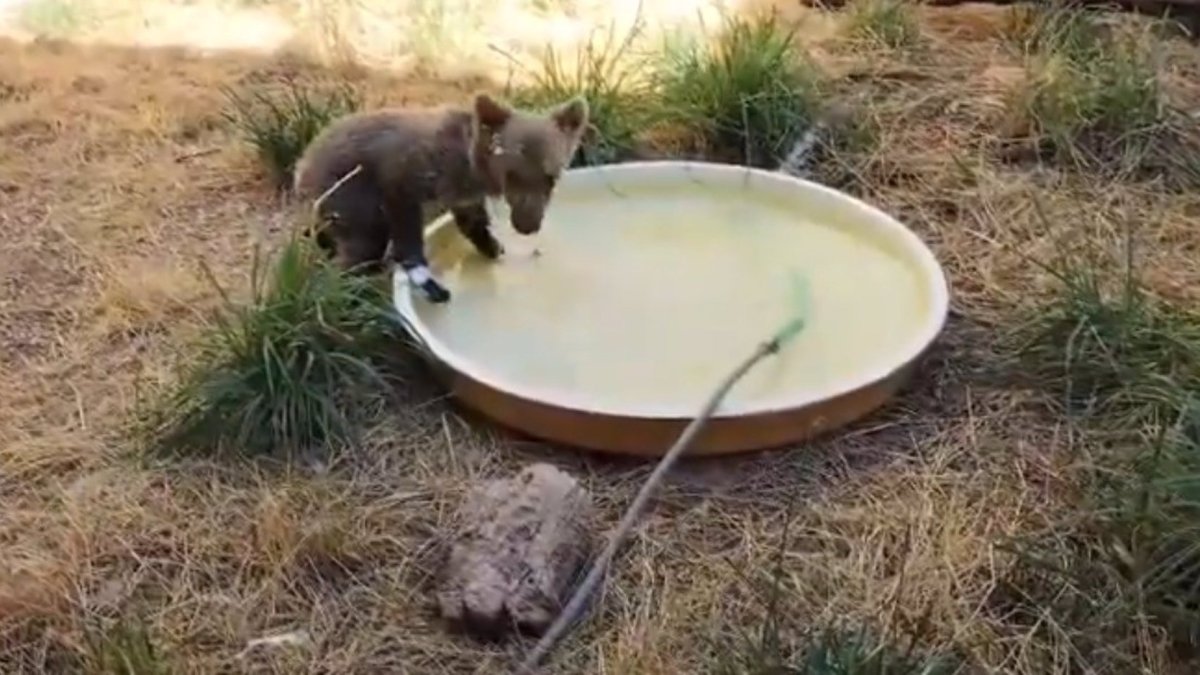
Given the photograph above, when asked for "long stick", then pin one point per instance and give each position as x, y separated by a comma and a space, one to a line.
575, 605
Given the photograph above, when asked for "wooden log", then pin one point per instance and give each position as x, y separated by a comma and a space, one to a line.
521, 544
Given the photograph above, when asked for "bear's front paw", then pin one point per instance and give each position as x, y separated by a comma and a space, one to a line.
490, 247
435, 292
420, 276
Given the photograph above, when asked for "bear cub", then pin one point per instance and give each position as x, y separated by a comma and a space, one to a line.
452, 157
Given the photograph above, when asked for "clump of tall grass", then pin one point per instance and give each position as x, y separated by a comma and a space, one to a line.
1055, 27
745, 94
1127, 369
295, 368
1124, 562
891, 24
1091, 93
123, 647
750, 91
279, 122
605, 72
1108, 350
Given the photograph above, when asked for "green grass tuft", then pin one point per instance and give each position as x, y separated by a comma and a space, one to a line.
1058, 28
829, 652
1125, 562
1127, 369
749, 92
123, 648
1153, 521
281, 121
296, 368
604, 72
837, 652
1091, 94
744, 96
891, 24
1108, 351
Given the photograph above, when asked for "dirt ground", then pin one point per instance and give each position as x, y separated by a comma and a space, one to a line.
118, 179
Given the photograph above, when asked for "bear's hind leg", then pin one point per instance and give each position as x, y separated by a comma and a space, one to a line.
357, 230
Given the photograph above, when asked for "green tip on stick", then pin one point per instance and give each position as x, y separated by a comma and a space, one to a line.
800, 298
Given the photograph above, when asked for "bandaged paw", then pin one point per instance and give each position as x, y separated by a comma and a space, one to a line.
421, 278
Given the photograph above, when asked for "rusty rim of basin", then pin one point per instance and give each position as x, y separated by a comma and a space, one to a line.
571, 420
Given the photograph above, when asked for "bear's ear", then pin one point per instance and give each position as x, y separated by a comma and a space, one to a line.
571, 116
491, 113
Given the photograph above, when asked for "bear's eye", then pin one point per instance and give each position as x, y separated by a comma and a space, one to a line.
551, 180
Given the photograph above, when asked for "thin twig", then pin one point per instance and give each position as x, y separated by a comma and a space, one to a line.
575, 605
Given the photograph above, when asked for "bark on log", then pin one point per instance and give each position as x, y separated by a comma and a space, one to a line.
521, 545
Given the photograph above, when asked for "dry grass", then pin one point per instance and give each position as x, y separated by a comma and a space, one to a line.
887, 24
1092, 96
449, 38
122, 176
280, 121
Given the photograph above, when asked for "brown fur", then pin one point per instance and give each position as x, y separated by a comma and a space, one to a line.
450, 156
